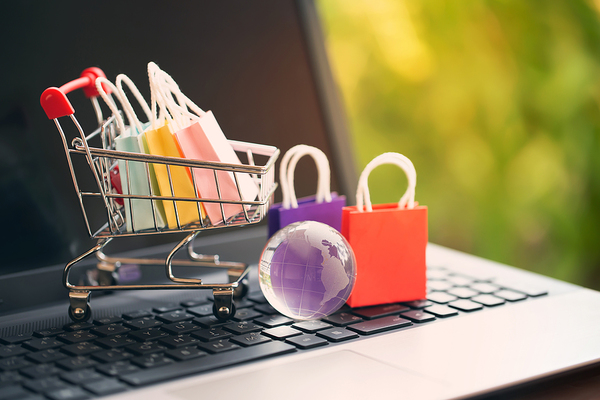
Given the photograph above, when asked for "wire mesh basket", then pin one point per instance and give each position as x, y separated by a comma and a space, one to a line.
117, 177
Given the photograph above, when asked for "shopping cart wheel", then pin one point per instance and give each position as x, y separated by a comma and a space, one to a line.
79, 309
223, 307
224, 313
80, 314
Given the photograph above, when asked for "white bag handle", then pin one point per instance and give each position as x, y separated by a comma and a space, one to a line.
288, 167
127, 107
100, 82
181, 110
407, 200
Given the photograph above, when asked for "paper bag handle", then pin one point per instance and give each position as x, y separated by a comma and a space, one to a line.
127, 107
407, 200
100, 84
288, 167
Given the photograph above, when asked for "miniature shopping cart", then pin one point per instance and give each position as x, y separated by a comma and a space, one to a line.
101, 161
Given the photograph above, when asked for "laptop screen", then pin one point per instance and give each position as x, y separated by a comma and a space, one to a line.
248, 62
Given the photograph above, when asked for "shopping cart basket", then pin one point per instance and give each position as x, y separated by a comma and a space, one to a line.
103, 161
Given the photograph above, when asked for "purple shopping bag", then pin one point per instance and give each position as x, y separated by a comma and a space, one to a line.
325, 207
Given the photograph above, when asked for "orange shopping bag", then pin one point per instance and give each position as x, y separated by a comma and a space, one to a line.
389, 241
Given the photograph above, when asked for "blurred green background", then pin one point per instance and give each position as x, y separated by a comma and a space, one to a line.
497, 104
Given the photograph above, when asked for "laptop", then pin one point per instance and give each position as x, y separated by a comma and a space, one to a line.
262, 68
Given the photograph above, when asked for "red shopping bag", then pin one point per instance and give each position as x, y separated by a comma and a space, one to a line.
325, 206
389, 242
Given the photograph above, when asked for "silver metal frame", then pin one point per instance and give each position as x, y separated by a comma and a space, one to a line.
103, 159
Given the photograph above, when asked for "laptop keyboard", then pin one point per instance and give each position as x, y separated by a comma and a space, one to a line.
121, 352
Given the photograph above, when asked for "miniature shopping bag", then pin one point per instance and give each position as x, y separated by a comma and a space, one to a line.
140, 214
389, 241
200, 138
325, 207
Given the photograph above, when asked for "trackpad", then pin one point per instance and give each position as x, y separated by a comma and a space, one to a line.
342, 374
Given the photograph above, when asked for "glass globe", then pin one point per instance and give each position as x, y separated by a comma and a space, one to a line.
307, 270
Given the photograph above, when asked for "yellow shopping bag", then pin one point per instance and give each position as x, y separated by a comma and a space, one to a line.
161, 142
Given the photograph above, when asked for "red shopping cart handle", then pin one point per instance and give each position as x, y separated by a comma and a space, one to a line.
54, 100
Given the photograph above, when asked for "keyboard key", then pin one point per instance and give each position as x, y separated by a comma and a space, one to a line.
337, 334
441, 311
209, 321
16, 339
529, 291
246, 314
115, 341
79, 362
462, 292
166, 308
441, 297
202, 310
147, 335
13, 350
307, 341
179, 328
418, 304
271, 321
485, 287
105, 387
81, 349
137, 314
380, 311
109, 356
239, 328
465, 305
13, 363
439, 285
13, 392
178, 341
46, 356
141, 349
42, 344
40, 371
110, 329
510, 295
211, 334
151, 360
78, 326
266, 309
48, 332
250, 339
437, 273
185, 353
202, 364
418, 316
312, 326
488, 300
218, 346
69, 393
379, 325
281, 332
76, 337
174, 316
111, 319
9, 378
45, 385
192, 303
143, 323
460, 280
117, 368
81, 376
342, 319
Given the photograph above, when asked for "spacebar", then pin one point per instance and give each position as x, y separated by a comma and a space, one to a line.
203, 364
